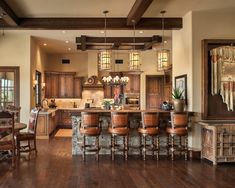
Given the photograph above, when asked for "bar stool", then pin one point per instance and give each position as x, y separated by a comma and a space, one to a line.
119, 127
178, 128
90, 126
150, 123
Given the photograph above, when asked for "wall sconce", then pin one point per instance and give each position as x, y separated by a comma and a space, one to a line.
35, 83
43, 85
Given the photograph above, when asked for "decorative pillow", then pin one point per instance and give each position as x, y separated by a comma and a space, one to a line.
32, 120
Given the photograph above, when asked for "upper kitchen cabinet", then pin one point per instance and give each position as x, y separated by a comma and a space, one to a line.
66, 84
133, 86
52, 84
62, 85
78, 87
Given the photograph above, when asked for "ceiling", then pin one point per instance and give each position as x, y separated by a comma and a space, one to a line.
55, 39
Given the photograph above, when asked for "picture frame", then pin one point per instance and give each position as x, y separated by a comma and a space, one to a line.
181, 83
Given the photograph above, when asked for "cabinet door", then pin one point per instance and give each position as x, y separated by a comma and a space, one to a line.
66, 85
66, 118
135, 83
78, 87
107, 91
51, 90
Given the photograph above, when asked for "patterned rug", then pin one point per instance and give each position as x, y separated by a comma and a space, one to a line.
64, 133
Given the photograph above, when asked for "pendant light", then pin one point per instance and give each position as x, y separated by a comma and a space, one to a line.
134, 55
105, 55
163, 55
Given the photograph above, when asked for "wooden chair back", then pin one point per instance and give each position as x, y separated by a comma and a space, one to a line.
33, 121
89, 119
15, 110
150, 119
179, 119
119, 119
7, 130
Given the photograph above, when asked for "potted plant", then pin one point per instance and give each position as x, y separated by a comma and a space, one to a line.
107, 104
178, 100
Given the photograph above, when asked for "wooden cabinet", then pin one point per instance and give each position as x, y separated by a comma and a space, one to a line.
133, 86
52, 85
218, 142
62, 85
47, 123
66, 85
78, 87
65, 119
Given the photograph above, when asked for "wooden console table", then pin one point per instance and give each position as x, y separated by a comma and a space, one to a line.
218, 141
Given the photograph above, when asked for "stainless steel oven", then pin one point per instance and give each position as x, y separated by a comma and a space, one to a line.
132, 101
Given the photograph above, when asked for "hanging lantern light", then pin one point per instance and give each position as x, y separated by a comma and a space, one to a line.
163, 55
134, 55
105, 56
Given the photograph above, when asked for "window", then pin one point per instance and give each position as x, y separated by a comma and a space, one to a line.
9, 86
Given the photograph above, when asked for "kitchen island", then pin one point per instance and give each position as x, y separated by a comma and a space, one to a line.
134, 117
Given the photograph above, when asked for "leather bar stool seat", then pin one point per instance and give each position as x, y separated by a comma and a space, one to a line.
119, 127
149, 128
90, 126
178, 128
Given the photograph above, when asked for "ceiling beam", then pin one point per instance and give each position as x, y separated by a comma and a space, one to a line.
137, 11
102, 47
83, 43
155, 39
8, 15
96, 23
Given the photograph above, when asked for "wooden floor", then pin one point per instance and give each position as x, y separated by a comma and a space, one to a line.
55, 167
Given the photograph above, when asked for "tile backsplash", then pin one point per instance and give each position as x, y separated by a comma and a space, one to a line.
94, 97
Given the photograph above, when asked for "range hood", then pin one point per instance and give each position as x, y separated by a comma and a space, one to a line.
93, 83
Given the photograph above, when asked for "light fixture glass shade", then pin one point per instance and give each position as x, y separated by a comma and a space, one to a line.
163, 60
134, 60
105, 60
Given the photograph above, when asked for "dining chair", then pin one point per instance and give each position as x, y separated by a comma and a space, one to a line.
16, 110
7, 134
30, 136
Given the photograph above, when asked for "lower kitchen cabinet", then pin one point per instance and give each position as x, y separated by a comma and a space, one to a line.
65, 120
47, 123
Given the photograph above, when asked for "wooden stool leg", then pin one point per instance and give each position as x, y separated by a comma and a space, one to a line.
112, 146
158, 150
186, 148
144, 148
18, 149
140, 144
167, 145
84, 147
180, 145
97, 147
35, 146
153, 145
172, 147
126, 147
29, 145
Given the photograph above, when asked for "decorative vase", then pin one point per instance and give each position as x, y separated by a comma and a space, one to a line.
116, 95
178, 105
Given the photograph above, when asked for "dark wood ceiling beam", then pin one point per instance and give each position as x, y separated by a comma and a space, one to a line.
137, 11
155, 38
97, 23
149, 45
83, 43
102, 47
8, 15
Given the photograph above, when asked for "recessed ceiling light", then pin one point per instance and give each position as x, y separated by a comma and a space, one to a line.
63, 31
102, 32
44, 44
66, 41
69, 49
141, 32
165, 41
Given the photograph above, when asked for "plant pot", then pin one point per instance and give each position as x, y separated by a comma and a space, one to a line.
178, 105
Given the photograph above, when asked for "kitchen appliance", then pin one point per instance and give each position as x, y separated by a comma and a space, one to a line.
132, 101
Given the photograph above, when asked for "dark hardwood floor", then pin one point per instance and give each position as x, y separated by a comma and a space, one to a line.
55, 167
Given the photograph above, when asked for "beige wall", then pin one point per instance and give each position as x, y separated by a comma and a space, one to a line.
15, 51
38, 61
78, 63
